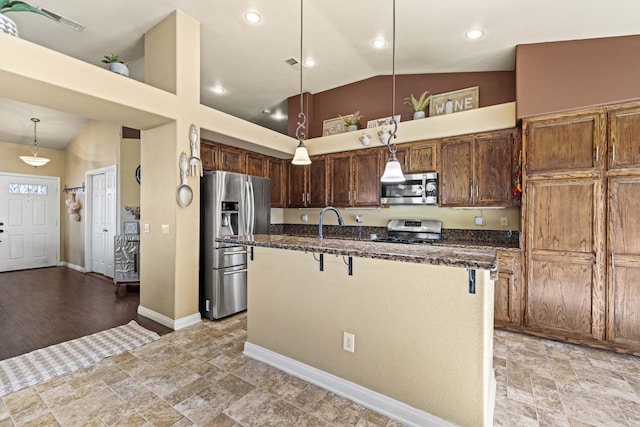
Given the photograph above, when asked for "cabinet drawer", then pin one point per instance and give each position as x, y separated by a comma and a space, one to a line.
506, 262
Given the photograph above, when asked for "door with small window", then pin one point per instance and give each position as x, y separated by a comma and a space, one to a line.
29, 221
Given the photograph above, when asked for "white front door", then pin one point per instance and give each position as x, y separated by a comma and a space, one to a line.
30, 221
103, 220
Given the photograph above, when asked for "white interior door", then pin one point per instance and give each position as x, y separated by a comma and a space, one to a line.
98, 224
104, 197
30, 221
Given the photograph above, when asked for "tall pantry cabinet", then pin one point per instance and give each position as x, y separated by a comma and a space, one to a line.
582, 227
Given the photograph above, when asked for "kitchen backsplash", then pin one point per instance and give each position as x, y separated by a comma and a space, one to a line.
508, 238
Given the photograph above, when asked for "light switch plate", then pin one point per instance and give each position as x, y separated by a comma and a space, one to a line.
147, 228
165, 228
349, 342
504, 221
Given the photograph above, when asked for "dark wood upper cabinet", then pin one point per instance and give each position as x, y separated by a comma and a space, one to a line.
317, 183
456, 178
276, 171
624, 134
478, 170
231, 159
340, 174
493, 168
422, 157
565, 143
354, 178
208, 156
366, 182
256, 164
297, 186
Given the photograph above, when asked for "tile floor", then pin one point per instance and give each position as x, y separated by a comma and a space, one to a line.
548, 383
198, 376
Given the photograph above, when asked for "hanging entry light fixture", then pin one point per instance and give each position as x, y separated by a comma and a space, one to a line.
393, 170
34, 160
301, 156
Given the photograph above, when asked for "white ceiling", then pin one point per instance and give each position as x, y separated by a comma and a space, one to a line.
248, 59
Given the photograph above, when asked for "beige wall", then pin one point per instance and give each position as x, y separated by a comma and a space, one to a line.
420, 336
97, 145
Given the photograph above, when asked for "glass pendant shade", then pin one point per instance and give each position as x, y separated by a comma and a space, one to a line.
34, 160
392, 170
301, 156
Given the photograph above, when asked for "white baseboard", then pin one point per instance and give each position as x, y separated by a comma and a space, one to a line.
373, 400
72, 266
167, 321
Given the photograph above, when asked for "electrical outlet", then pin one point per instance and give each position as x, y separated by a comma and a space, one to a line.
348, 342
304, 217
165, 228
359, 219
504, 221
479, 220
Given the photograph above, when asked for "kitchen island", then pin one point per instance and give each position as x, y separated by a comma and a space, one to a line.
423, 340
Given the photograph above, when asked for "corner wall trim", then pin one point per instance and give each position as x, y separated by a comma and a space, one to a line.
167, 321
72, 266
371, 399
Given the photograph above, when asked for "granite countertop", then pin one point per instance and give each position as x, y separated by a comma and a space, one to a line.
483, 258
500, 246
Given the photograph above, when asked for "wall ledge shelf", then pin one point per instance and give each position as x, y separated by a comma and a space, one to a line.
495, 117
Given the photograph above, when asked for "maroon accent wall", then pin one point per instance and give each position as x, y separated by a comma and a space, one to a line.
560, 76
130, 133
372, 97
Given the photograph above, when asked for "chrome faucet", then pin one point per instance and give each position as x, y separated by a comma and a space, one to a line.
328, 208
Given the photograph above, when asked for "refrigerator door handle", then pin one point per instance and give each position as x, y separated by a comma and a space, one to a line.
252, 209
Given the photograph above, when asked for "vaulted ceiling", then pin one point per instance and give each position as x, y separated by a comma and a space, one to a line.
249, 60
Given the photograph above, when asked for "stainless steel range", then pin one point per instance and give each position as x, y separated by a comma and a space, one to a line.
413, 231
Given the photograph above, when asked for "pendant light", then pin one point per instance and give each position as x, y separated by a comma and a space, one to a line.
301, 156
393, 170
34, 160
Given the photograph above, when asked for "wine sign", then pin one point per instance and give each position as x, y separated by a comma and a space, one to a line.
453, 102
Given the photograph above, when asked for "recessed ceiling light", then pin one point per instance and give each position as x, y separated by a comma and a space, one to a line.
379, 43
310, 62
218, 89
279, 116
474, 34
253, 17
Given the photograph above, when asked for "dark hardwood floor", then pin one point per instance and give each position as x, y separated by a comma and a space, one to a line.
47, 306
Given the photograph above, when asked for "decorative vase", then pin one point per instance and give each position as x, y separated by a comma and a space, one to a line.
384, 135
352, 128
120, 68
8, 26
418, 115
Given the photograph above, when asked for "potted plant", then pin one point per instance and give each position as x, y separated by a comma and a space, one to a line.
116, 64
419, 104
6, 24
352, 121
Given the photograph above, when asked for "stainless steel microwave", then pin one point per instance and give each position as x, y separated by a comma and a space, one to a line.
417, 189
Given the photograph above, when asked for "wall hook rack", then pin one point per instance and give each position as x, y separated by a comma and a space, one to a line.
79, 189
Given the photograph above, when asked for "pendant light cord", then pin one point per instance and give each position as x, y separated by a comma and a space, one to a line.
34, 149
393, 86
300, 134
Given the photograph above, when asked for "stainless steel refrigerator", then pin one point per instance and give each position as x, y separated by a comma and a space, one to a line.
231, 204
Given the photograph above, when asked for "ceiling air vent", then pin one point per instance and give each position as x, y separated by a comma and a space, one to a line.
76, 26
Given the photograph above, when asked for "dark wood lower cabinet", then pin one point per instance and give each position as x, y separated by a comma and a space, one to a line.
507, 300
623, 326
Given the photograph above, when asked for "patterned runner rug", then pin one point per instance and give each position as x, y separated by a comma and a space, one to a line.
41, 365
